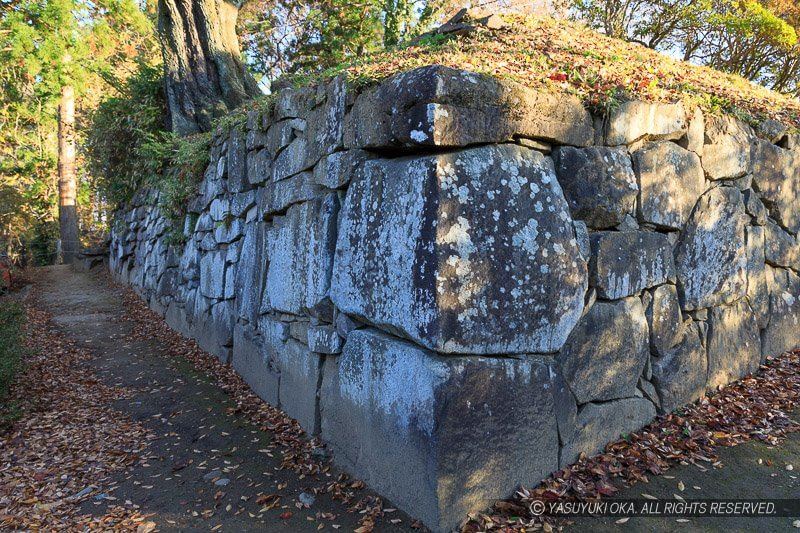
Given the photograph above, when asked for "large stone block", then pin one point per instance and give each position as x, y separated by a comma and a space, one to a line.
680, 374
726, 153
757, 293
441, 106
671, 181
300, 249
598, 183
776, 176
325, 122
711, 256
467, 430
600, 423
734, 343
251, 361
300, 375
212, 274
625, 262
606, 352
783, 330
465, 252
250, 272
276, 197
634, 120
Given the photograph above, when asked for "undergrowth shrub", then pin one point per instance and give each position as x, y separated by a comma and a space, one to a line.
11, 349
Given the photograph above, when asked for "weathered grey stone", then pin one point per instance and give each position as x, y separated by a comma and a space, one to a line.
228, 230
680, 374
534, 144
214, 330
634, 120
726, 153
325, 123
250, 272
424, 410
301, 372
280, 134
625, 262
600, 423
664, 318
776, 175
440, 106
292, 102
734, 344
300, 249
755, 208
324, 339
671, 181
237, 161
298, 330
598, 183
606, 352
334, 171
781, 249
771, 130
344, 325
276, 197
582, 236
757, 294
212, 274
695, 135
251, 361
711, 256
783, 330
259, 166
291, 160
486, 261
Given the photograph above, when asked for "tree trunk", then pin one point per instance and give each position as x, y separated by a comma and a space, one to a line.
205, 75
67, 184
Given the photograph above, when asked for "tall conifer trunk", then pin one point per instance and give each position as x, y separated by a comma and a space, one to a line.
67, 183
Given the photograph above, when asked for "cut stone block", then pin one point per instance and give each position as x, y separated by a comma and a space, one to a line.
671, 181
776, 176
598, 183
251, 361
465, 252
680, 374
783, 330
665, 319
625, 262
634, 120
711, 256
781, 249
441, 106
324, 339
606, 352
726, 153
424, 411
301, 374
600, 423
734, 344
757, 293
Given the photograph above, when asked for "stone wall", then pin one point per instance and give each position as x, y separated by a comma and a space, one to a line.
461, 284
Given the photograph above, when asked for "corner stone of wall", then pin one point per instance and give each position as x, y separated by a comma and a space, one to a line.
474, 280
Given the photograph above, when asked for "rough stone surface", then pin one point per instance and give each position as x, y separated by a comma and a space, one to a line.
711, 256
734, 344
776, 176
606, 352
440, 106
625, 262
600, 423
780, 248
664, 318
486, 262
634, 120
598, 183
251, 361
680, 374
300, 374
726, 153
452, 422
783, 330
671, 181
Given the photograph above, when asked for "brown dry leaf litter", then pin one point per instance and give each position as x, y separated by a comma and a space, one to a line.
298, 452
562, 56
754, 408
67, 442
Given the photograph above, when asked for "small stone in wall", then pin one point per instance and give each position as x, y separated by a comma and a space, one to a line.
324, 339
606, 352
671, 181
625, 262
634, 120
598, 183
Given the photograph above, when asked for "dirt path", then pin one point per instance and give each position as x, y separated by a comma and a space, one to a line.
208, 465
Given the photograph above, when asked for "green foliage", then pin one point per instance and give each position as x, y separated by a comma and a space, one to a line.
127, 142
11, 350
